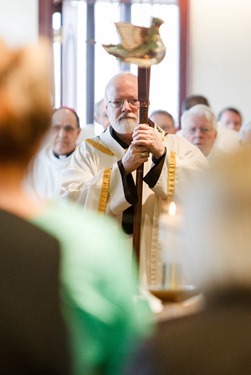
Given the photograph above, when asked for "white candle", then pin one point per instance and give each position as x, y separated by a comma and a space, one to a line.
170, 225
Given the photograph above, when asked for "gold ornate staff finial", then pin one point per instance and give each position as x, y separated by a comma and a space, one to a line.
139, 45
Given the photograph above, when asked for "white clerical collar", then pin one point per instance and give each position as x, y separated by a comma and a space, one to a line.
62, 157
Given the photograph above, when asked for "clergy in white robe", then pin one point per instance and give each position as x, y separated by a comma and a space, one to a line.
44, 177
102, 172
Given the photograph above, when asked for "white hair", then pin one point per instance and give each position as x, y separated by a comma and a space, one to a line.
199, 110
112, 81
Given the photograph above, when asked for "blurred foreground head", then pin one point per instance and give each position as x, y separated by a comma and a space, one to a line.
217, 231
25, 101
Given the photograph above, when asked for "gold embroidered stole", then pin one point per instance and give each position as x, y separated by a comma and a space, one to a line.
106, 175
99, 146
171, 177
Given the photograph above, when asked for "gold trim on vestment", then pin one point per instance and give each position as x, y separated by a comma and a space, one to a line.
171, 177
99, 146
104, 191
106, 175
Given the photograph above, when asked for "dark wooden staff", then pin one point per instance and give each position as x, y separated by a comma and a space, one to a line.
143, 95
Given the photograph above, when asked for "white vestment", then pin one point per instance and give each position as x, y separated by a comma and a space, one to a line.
44, 178
215, 154
94, 181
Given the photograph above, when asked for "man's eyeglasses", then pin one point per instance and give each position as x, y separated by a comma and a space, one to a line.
203, 130
119, 103
67, 128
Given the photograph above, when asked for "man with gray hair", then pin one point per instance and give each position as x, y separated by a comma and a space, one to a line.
199, 126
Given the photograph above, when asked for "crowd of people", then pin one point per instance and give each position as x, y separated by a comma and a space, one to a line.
73, 293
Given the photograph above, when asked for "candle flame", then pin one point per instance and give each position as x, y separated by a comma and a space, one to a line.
172, 209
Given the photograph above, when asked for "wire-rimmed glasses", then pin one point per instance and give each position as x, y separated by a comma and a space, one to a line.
119, 103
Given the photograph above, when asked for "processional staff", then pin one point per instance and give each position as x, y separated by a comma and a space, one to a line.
141, 46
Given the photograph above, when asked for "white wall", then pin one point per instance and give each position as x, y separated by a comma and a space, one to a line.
18, 21
220, 57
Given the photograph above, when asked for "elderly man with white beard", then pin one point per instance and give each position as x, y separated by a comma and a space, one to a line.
102, 172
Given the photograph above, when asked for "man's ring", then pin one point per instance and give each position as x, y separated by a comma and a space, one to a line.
143, 154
